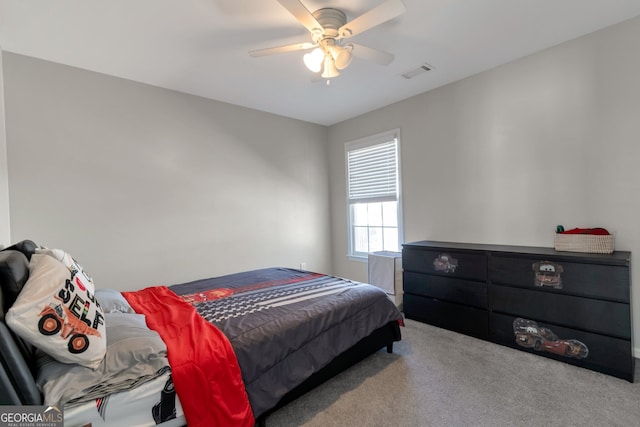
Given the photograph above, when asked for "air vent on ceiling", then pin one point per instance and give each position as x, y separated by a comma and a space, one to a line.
417, 71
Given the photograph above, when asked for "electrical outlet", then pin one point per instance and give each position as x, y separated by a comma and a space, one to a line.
303, 265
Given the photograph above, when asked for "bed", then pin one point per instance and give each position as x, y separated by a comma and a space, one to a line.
280, 332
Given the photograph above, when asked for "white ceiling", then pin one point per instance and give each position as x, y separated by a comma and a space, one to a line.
200, 46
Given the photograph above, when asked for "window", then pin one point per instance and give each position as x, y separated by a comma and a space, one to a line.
373, 194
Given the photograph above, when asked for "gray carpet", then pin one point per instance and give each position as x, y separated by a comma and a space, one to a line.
440, 378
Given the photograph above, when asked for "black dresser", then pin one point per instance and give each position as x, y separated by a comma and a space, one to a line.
569, 306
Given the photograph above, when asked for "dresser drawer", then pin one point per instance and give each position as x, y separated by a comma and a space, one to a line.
598, 352
459, 318
592, 280
446, 288
605, 317
446, 263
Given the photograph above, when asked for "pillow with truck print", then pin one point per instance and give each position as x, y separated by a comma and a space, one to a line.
70, 263
57, 312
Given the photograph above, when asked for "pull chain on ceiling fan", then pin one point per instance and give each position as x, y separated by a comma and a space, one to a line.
328, 28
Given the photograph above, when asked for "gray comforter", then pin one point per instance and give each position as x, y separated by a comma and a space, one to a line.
285, 325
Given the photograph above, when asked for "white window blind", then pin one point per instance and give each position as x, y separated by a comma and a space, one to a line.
373, 173
373, 194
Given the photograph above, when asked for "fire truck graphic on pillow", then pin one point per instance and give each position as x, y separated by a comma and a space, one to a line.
58, 318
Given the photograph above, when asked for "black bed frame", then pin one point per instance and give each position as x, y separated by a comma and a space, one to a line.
17, 358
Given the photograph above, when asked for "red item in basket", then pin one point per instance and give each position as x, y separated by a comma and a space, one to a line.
595, 231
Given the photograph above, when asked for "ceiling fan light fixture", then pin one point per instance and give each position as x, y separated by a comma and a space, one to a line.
342, 56
330, 69
313, 60
329, 27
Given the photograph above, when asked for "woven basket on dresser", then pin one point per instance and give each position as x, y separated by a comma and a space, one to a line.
585, 243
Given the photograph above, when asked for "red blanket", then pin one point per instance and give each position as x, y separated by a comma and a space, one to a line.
204, 367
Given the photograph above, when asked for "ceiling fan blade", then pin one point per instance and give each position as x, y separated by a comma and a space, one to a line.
376, 16
303, 15
282, 49
370, 54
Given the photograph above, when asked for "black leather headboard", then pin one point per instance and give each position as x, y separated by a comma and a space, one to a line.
17, 358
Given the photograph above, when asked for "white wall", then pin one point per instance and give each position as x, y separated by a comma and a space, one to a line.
5, 234
505, 156
146, 186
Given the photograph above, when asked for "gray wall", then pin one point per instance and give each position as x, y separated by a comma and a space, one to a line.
146, 186
5, 234
505, 156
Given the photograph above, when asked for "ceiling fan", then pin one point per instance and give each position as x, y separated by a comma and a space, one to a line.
329, 29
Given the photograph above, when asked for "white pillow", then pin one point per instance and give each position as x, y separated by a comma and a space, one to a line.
57, 312
68, 262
